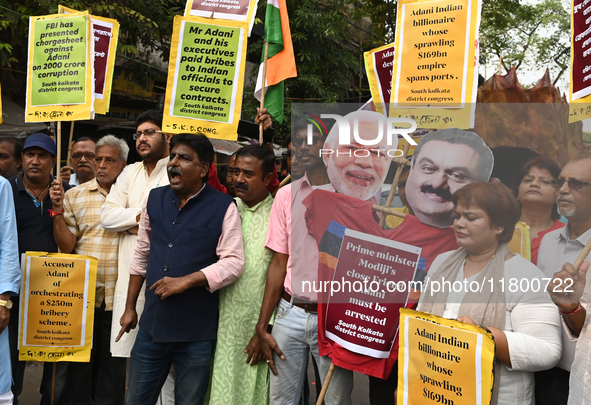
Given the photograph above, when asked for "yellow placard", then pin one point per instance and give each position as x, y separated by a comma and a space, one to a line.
106, 35
520, 243
443, 361
57, 307
205, 77
378, 64
60, 78
434, 78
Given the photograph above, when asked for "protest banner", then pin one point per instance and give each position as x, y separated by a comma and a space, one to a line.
443, 361
434, 80
234, 10
60, 83
205, 77
580, 61
379, 272
57, 307
106, 35
378, 64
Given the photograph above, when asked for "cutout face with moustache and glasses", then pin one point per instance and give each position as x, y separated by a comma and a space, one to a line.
443, 162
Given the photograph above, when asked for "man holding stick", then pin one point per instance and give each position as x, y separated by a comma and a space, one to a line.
77, 229
34, 221
558, 249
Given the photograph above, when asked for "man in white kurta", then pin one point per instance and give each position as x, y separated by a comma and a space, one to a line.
119, 214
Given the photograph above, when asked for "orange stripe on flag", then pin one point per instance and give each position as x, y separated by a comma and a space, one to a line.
329, 260
282, 66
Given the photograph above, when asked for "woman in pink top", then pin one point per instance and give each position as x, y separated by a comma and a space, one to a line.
537, 196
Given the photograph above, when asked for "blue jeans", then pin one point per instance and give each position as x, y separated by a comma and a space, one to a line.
149, 365
296, 334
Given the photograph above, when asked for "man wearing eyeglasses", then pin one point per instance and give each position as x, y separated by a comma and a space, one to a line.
81, 162
557, 248
77, 229
122, 208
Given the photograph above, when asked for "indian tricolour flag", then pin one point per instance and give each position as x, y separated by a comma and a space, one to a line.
281, 60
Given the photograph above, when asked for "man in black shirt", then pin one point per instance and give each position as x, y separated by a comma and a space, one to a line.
34, 223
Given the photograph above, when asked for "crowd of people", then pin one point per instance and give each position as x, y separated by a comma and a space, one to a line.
199, 284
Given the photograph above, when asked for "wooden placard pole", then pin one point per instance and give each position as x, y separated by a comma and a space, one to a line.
58, 139
53, 372
70, 142
395, 181
263, 88
283, 183
582, 256
325, 385
388, 211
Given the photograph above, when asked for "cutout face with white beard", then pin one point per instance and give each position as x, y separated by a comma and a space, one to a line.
358, 170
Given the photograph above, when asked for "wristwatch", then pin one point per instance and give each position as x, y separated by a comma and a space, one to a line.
7, 304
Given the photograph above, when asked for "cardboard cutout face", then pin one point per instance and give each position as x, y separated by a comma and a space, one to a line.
443, 162
354, 169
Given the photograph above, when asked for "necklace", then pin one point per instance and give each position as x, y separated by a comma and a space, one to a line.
478, 269
36, 196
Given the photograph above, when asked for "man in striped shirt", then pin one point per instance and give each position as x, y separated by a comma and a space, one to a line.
77, 229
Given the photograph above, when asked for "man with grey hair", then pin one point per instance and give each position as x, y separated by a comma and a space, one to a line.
557, 248
355, 169
77, 229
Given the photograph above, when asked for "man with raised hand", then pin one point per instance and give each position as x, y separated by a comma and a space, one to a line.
34, 222
77, 229
557, 248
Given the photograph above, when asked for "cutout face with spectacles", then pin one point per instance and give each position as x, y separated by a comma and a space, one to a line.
574, 189
82, 160
150, 142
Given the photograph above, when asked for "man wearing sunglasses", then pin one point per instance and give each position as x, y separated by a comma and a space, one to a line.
81, 162
557, 248
121, 213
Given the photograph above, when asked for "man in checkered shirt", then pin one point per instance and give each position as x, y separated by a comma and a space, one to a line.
77, 229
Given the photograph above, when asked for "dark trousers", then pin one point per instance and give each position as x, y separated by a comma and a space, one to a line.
552, 387
381, 392
102, 381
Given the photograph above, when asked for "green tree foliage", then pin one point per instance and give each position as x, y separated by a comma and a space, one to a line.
527, 35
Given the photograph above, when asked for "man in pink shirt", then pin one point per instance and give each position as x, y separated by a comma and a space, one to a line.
189, 246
